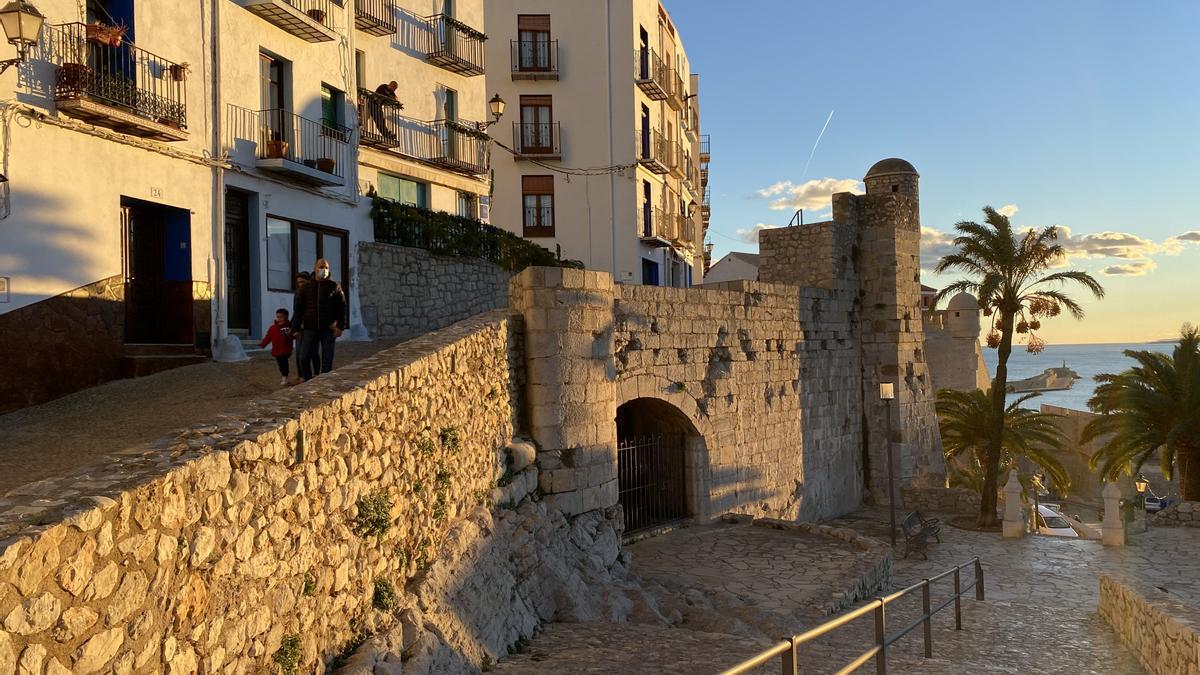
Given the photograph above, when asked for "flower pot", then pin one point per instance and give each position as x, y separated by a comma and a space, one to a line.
104, 34
276, 149
310, 163
178, 73
317, 15
74, 76
326, 164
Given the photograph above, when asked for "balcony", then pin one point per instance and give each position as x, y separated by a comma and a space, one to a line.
536, 140
654, 151
652, 226
455, 46
705, 154
284, 143
534, 59
459, 146
114, 84
705, 209
684, 232
651, 74
309, 20
375, 17
382, 126
677, 92
675, 160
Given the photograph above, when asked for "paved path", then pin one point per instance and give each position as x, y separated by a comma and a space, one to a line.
1039, 616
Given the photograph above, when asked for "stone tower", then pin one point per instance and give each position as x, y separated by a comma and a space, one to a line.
889, 223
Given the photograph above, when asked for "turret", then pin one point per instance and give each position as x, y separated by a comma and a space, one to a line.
962, 316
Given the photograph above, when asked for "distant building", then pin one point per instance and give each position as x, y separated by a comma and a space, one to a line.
952, 343
735, 265
607, 87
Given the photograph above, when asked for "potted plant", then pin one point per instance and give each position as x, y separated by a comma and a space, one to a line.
179, 71
276, 147
326, 164
105, 34
317, 15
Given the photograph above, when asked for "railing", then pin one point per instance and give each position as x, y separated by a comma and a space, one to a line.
786, 649
534, 59
677, 92
442, 233
382, 125
455, 46
375, 17
116, 74
320, 11
536, 138
655, 150
281, 134
460, 145
651, 74
705, 150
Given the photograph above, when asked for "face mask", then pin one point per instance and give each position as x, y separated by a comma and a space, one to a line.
322, 274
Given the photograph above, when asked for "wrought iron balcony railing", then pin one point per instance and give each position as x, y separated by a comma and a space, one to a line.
651, 74
705, 153
383, 126
313, 151
110, 82
654, 151
375, 17
677, 92
534, 59
650, 225
455, 46
309, 20
536, 140
460, 145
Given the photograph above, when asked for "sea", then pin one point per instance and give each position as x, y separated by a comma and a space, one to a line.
1086, 360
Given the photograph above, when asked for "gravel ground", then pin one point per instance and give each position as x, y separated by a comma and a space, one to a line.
80, 429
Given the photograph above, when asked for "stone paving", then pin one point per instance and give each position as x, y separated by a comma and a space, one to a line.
1039, 616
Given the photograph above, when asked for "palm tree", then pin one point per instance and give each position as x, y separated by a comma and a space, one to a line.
965, 420
1008, 272
1153, 406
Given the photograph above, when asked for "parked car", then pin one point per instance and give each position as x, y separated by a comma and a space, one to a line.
1051, 523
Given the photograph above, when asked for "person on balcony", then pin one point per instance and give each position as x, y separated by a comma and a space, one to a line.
387, 91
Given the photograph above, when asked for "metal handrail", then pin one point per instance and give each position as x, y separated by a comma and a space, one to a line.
787, 647
536, 138
534, 56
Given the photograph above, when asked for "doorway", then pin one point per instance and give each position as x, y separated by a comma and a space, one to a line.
239, 292
158, 273
652, 457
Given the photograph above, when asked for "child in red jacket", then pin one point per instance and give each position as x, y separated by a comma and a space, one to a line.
281, 338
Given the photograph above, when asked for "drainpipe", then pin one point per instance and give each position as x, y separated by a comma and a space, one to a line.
612, 176
217, 274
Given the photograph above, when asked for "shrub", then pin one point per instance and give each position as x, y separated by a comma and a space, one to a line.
374, 514
288, 654
384, 597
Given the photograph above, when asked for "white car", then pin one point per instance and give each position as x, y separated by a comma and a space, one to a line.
1051, 523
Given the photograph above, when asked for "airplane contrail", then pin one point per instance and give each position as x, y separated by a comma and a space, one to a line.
804, 174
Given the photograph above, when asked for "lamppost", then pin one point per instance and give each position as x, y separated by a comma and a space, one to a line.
22, 23
496, 106
1141, 484
887, 393
1036, 482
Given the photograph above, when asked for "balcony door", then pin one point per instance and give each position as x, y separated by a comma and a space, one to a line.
533, 36
158, 273
537, 117
451, 141
644, 55
645, 154
238, 290
647, 210
272, 95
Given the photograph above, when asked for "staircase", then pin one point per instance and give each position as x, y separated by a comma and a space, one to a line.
140, 360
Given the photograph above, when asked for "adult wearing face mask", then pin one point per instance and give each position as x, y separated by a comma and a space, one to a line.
320, 308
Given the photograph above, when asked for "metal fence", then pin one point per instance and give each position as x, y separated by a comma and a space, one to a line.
116, 73
534, 57
460, 145
375, 17
650, 478
382, 125
651, 74
787, 649
455, 46
281, 134
536, 138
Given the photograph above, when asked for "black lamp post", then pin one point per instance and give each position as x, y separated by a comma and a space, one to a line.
887, 393
22, 23
1141, 484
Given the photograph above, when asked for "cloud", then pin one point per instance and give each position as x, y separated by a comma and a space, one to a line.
1134, 269
750, 235
1192, 237
935, 245
1008, 210
813, 195
1121, 245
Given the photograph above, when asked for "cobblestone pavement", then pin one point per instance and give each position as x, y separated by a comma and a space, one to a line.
58, 437
1039, 616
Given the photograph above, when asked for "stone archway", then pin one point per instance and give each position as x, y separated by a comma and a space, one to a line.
661, 464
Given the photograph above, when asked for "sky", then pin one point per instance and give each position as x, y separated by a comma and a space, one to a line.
1079, 114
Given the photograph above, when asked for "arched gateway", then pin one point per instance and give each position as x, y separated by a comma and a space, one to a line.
657, 462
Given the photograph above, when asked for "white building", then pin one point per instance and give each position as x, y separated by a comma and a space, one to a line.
606, 87
735, 265
167, 179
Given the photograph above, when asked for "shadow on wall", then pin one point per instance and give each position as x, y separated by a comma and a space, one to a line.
412, 37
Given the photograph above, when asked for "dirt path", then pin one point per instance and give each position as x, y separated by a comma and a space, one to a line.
82, 428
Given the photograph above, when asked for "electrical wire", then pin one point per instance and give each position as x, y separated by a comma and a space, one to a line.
570, 171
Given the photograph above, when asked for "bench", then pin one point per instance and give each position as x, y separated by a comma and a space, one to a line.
917, 531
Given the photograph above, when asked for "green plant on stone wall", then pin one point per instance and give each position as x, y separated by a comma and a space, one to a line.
449, 439
288, 654
440, 508
443, 476
426, 447
374, 514
384, 597
310, 585
418, 487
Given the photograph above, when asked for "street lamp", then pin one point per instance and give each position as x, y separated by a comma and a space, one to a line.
496, 105
887, 393
1141, 484
22, 23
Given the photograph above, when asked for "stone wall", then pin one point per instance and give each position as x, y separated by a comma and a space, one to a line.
1160, 629
271, 535
955, 361
406, 292
940, 500
1183, 514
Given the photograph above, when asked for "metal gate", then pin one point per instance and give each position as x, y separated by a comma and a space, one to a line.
651, 480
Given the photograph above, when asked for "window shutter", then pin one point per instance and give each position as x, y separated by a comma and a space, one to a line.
537, 185
533, 22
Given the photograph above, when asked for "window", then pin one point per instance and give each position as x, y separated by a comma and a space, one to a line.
273, 96
450, 106
533, 36
537, 193
404, 190
537, 117
293, 247
360, 68
468, 205
649, 272
333, 105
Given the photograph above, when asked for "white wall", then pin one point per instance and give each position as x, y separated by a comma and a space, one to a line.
730, 268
